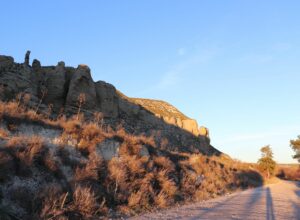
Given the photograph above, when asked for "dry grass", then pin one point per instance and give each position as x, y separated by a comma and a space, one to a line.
80, 184
84, 201
26, 149
289, 172
3, 133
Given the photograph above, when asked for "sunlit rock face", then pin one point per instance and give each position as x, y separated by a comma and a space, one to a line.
169, 114
64, 90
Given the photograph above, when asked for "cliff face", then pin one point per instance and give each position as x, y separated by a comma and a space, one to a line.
66, 90
58, 86
169, 114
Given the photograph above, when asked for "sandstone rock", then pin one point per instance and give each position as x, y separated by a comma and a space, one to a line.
55, 86
170, 120
16, 78
179, 122
6, 62
129, 108
165, 111
36, 66
27, 58
190, 125
81, 83
203, 131
108, 99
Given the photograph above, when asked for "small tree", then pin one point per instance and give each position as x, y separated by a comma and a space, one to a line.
295, 144
81, 100
266, 163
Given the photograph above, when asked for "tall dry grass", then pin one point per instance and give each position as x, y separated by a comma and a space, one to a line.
79, 183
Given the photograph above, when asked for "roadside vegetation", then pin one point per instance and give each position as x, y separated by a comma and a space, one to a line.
68, 178
266, 164
291, 171
295, 144
288, 172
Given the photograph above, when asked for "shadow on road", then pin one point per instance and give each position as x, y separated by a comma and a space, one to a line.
296, 206
269, 204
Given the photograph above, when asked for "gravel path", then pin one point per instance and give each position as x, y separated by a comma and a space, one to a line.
276, 201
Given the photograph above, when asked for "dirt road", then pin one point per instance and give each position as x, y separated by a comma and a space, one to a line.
277, 201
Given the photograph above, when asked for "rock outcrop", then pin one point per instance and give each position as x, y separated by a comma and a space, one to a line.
169, 114
16, 78
67, 88
107, 99
6, 62
55, 80
81, 87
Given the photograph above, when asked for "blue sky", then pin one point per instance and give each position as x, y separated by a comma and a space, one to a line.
232, 65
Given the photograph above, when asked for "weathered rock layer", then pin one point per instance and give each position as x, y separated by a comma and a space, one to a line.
71, 89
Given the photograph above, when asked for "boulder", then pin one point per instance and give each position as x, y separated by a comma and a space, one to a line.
16, 78
108, 99
81, 85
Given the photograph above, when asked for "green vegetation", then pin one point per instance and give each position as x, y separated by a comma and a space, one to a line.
295, 144
266, 163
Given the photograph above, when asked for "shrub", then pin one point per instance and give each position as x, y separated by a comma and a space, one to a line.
3, 133
84, 201
289, 173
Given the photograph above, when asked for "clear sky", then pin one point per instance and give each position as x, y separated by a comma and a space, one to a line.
232, 65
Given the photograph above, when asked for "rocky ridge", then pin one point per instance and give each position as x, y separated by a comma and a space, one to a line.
171, 115
61, 89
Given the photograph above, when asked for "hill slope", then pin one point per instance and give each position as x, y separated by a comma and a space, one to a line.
71, 148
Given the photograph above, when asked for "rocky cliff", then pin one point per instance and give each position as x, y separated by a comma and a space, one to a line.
170, 115
58, 86
61, 89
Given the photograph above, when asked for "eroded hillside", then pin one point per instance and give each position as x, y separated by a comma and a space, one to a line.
57, 90
71, 148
